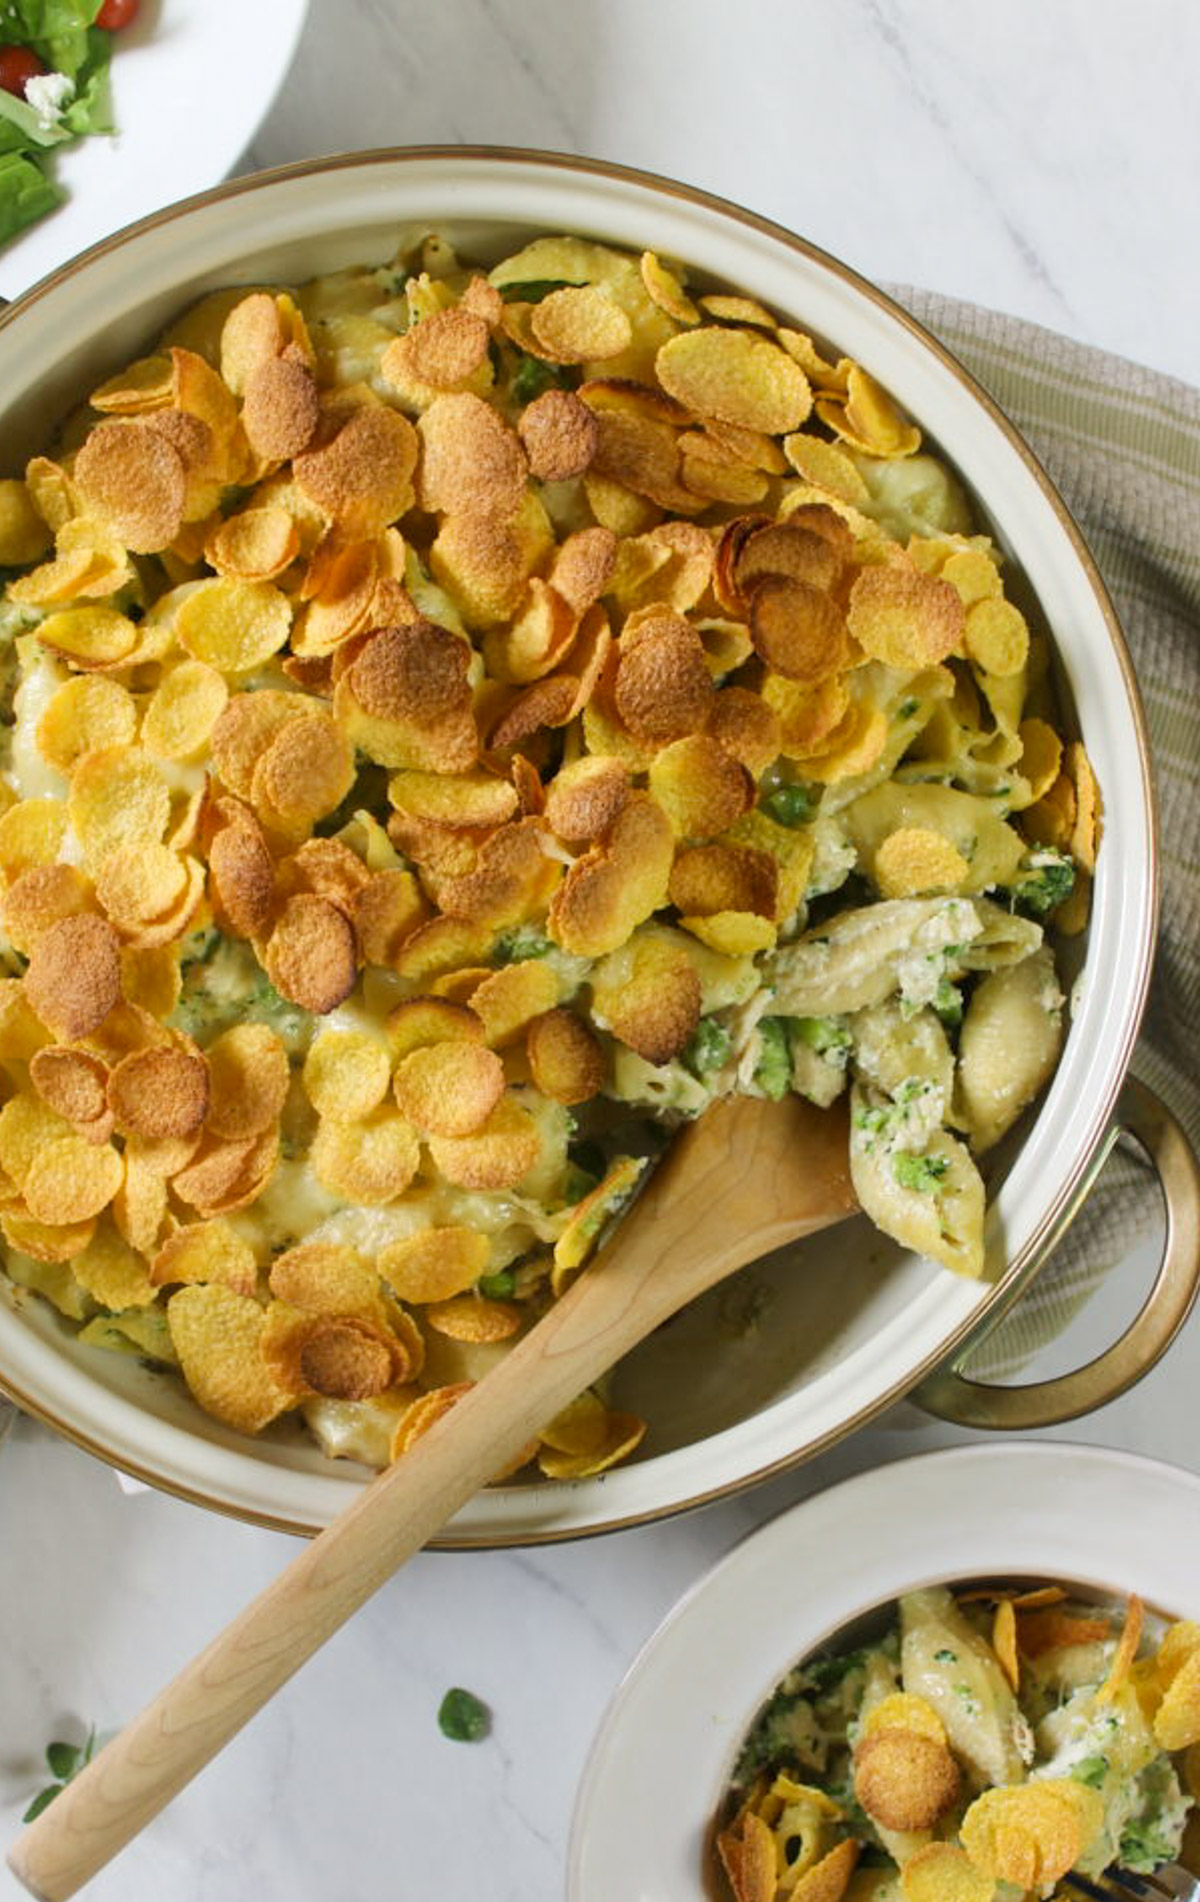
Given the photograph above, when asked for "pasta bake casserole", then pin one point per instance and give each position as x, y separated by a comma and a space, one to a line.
458, 723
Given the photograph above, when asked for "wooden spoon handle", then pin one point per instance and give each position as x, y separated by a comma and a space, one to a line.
672, 1245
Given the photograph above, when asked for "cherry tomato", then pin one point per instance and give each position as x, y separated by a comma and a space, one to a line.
17, 64
115, 14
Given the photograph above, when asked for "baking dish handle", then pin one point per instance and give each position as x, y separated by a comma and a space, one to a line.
952, 1395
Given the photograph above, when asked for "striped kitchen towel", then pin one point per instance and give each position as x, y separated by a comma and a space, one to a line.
1122, 444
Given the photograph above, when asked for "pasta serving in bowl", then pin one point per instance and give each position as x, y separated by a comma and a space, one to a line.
466, 715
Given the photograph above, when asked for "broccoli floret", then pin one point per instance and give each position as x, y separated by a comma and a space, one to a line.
1047, 879
948, 1004
708, 1047
1145, 1847
828, 1036
533, 378
773, 1071
918, 1172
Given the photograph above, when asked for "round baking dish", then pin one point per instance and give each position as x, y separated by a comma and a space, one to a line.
864, 1323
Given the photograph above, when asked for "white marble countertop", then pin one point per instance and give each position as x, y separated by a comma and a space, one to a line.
1039, 158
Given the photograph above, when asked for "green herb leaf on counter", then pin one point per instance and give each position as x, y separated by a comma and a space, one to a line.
463, 1718
64, 1761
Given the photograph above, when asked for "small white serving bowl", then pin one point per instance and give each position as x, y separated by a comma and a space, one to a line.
864, 1322
662, 1759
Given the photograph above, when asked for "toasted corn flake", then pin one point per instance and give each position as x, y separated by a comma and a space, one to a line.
473, 1317
791, 549
326, 1278
421, 1021
71, 1081
874, 417
1041, 756
31, 834
566, 1061
901, 1710
1084, 831
942, 1872
1031, 1833
560, 434
281, 410
914, 859
311, 955
468, 799
827, 1879
255, 545
246, 728
307, 770
648, 995
425, 1413
144, 385
1049, 821
458, 987
509, 999
807, 715
584, 798
21, 1033
665, 289
24, 536
662, 688
92, 636
371, 1162
735, 934
748, 1855
253, 332
435, 1264
624, 1433
448, 347
537, 640
706, 879
139, 882
139, 1208
614, 887
472, 462
346, 1074
1178, 1643
996, 636
45, 1241
74, 975
329, 868
1004, 1641
27, 1126
853, 747
183, 710
133, 479
113, 1273
721, 478
905, 618
248, 1081
616, 508
385, 913
202, 1252
217, 1335
736, 377
1126, 1651
444, 944
222, 1177
346, 1358
450, 1088
70, 1180
243, 880
580, 323
826, 466
41, 896
583, 566
1177, 1721
363, 477
86, 714
233, 625
118, 797
159, 1092
904, 1780
496, 1156
700, 787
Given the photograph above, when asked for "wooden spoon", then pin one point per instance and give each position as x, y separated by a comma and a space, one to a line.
744, 1179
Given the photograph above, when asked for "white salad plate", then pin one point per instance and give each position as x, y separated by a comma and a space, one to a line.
1108, 1522
192, 81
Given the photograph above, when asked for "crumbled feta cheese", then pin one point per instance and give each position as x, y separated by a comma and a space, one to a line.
49, 94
